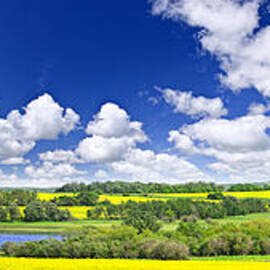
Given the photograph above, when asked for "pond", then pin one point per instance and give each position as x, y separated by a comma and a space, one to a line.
25, 237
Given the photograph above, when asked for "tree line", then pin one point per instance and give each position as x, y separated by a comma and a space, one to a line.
140, 188
35, 209
249, 187
174, 209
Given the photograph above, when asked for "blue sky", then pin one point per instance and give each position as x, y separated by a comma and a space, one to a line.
164, 91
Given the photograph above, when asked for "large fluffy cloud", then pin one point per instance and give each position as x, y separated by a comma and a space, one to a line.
241, 146
113, 134
147, 166
185, 102
229, 30
49, 170
114, 122
114, 144
43, 118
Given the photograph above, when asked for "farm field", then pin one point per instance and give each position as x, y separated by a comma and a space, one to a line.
242, 194
115, 199
103, 264
78, 212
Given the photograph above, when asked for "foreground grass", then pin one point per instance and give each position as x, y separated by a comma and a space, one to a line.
252, 258
101, 264
256, 216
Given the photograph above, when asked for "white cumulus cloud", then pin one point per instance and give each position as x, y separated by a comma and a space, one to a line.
229, 29
185, 102
147, 166
113, 134
42, 119
53, 171
240, 146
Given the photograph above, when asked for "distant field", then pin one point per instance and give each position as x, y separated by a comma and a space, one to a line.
78, 212
244, 194
107, 264
115, 199
50, 196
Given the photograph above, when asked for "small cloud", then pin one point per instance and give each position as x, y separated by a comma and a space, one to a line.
15, 161
153, 100
101, 174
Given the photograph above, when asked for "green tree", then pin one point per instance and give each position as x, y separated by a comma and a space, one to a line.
143, 221
3, 214
87, 198
35, 211
14, 212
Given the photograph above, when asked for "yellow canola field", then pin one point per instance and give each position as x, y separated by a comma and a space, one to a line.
50, 196
77, 211
120, 199
249, 194
80, 211
116, 264
112, 198
244, 194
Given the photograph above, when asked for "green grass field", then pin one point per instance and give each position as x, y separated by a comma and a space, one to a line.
265, 258
59, 227
51, 227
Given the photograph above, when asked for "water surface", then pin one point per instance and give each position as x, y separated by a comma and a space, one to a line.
25, 237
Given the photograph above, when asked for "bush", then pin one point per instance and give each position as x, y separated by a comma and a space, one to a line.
228, 244
191, 218
10, 248
164, 250
215, 246
265, 246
